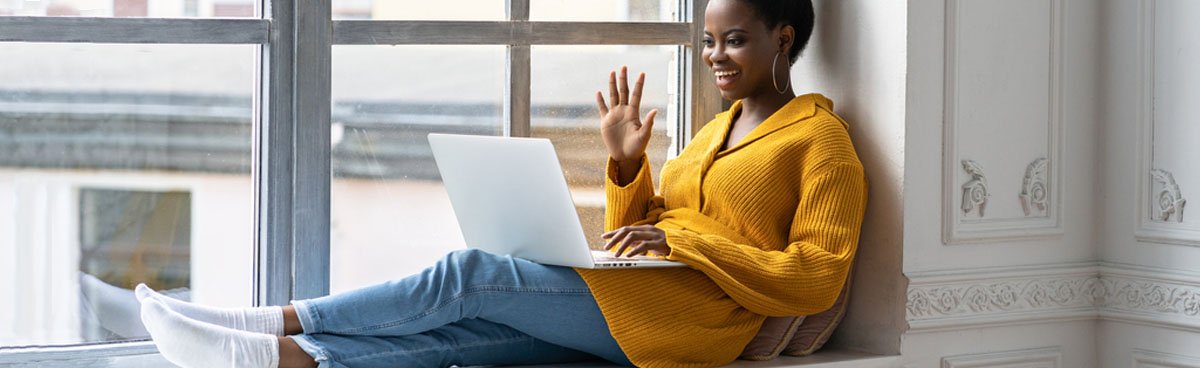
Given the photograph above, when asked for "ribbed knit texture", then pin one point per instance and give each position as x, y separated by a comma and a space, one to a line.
769, 227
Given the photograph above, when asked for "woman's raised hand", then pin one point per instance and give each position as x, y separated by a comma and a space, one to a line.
624, 133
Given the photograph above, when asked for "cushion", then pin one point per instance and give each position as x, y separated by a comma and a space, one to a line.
772, 337
816, 329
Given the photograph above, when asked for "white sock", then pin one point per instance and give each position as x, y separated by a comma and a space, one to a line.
268, 320
116, 309
194, 344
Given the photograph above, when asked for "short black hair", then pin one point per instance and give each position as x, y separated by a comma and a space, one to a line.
796, 13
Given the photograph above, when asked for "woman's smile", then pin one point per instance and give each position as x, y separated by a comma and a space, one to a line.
726, 77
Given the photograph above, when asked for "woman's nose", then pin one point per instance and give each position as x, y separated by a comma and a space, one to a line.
717, 54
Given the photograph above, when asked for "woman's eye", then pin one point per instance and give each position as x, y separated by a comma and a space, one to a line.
708, 42
734, 41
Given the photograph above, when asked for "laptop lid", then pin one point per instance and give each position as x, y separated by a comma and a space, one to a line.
510, 197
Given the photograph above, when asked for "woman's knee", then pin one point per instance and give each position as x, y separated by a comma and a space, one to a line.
468, 258
466, 263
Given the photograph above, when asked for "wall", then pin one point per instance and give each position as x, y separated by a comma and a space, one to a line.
999, 183
1148, 115
856, 57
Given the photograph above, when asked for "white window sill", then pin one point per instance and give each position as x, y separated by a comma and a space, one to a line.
142, 354
822, 359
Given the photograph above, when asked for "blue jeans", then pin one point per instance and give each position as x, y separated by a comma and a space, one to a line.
471, 308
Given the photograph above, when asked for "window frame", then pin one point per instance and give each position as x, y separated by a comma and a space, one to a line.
292, 106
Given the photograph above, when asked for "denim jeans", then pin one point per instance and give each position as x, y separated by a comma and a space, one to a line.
470, 308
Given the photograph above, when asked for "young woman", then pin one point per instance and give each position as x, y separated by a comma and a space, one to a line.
764, 204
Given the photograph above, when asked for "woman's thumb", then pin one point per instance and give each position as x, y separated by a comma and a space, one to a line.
648, 122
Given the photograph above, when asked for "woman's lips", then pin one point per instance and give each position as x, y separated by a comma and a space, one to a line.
725, 78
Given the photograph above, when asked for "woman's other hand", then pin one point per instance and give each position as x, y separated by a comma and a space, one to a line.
625, 134
637, 240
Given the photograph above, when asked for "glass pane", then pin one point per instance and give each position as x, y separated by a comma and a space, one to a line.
133, 8
391, 216
604, 10
420, 9
565, 81
121, 164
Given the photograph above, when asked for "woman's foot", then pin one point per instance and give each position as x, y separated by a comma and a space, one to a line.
194, 344
267, 320
116, 309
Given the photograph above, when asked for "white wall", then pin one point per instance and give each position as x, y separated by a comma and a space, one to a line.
1000, 83
856, 57
1150, 120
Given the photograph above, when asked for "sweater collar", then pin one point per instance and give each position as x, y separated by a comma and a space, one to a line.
799, 108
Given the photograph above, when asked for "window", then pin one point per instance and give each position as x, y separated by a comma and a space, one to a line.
237, 152
125, 163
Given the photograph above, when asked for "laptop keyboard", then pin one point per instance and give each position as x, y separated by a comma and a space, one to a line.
605, 256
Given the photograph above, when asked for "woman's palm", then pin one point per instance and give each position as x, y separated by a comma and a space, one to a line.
625, 134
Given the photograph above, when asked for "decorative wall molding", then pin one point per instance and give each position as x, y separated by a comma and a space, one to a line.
975, 192
1034, 192
1153, 297
959, 225
980, 298
1154, 359
974, 298
1026, 358
1168, 200
1156, 208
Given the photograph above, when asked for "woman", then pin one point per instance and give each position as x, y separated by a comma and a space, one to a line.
764, 204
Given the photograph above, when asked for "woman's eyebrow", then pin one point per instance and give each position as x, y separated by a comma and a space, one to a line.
707, 33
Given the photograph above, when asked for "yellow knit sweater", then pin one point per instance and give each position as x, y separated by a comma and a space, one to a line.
769, 228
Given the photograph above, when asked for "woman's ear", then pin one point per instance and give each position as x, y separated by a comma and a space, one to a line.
787, 34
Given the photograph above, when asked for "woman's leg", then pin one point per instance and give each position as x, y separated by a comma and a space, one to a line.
549, 303
464, 343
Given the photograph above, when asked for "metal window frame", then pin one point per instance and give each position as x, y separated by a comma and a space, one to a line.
292, 102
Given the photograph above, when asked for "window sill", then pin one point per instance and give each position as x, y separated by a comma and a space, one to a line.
143, 354
823, 359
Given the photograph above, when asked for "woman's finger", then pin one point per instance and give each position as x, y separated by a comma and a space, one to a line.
635, 97
637, 249
612, 89
624, 86
616, 237
625, 245
632, 238
600, 103
648, 122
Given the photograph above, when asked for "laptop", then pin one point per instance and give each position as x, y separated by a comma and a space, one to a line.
510, 197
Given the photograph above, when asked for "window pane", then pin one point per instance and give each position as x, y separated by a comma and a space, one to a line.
565, 81
420, 9
604, 10
121, 164
391, 216
133, 8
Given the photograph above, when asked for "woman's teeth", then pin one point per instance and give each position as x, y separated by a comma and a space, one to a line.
726, 73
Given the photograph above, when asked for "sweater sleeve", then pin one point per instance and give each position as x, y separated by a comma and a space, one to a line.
632, 204
807, 275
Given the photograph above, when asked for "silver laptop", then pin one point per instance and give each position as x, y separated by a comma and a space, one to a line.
510, 197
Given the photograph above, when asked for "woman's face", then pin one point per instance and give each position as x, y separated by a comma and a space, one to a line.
739, 48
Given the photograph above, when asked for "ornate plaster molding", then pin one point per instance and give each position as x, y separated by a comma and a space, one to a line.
1034, 192
975, 191
988, 299
966, 299
1168, 200
1151, 296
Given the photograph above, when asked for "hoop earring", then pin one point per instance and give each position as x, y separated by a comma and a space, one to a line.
773, 82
